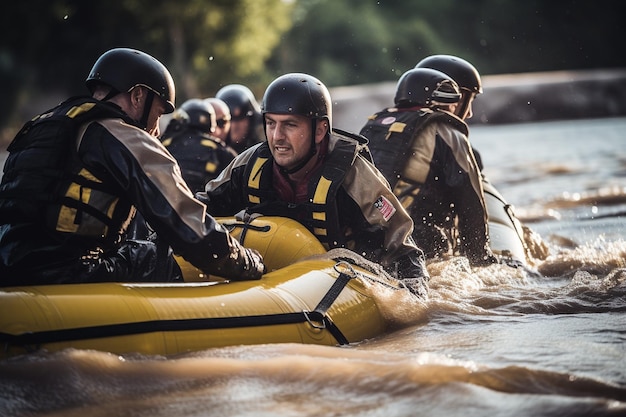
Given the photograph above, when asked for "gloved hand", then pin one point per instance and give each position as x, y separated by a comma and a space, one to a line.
412, 265
252, 265
244, 264
411, 270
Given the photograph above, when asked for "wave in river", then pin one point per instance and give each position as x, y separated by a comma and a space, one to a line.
375, 378
289, 380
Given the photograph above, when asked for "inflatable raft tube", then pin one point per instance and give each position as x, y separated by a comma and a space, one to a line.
314, 301
506, 234
280, 240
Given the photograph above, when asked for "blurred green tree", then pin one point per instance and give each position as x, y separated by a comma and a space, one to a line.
354, 41
361, 41
48, 46
204, 43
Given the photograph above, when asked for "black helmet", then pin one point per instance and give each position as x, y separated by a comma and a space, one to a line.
426, 87
461, 71
240, 100
300, 94
196, 113
124, 68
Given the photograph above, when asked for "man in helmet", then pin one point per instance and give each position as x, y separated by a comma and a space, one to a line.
422, 149
246, 127
467, 78
222, 118
189, 138
76, 174
463, 73
312, 173
469, 81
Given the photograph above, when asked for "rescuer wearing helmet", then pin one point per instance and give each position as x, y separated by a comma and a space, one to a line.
189, 138
222, 118
467, 78
76, 175
312, 173
470, 83
246, 127
463, 73
422, 149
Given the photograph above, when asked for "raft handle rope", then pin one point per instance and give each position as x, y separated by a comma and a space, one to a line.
31, 341
246, 224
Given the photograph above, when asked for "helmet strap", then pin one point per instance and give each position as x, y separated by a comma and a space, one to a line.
112, 93
146, 109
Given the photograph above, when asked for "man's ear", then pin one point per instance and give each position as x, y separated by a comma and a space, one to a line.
321, 128
136, 96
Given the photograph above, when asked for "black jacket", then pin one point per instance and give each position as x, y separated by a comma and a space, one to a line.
427, 157
350, 204
201, 156
71, 183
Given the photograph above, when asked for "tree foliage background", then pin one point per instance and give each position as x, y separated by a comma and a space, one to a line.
47, 47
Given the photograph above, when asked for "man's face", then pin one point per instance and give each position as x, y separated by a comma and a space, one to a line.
223, 123
239, 129
134, 107
157, 110
289, 138
468, 96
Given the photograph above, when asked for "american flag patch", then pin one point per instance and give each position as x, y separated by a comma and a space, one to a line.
385, 207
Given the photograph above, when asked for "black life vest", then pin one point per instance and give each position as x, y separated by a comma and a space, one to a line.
391, 132
45, 183
320, 214
201, 156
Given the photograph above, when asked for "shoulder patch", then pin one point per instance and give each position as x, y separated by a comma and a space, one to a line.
385, 207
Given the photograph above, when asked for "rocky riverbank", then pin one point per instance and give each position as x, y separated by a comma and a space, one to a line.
511, 98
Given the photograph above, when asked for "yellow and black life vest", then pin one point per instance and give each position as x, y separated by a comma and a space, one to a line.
320, 213
391, 132
45, 182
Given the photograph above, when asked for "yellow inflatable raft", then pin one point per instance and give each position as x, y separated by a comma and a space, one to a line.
302, 299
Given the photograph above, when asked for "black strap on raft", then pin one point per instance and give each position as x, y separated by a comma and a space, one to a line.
247, 226
319, 314
316, 318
